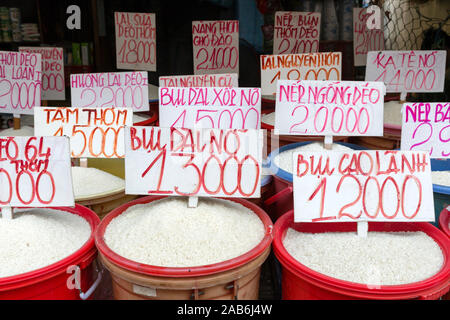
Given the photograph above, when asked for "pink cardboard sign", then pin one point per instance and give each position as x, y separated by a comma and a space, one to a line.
408, 71
20, 82
216, 46
426, 127
193, 162
113, 89
135, 40
229, 80
329, 108
211, 107
296, 32
35, 172
53, 85
369, 185
364, 39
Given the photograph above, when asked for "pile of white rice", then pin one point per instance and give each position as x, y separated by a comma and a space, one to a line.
92, 181
268, 118
168, 233
383, 258
24, 131
393, 113
36, 238
284, 159
441, 177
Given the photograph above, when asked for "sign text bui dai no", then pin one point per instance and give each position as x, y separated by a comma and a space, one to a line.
193, 162
296, 32
35, 172
53, 85
20, 82
335, 108
426, 127
106, 90
135, 40
216, 46
408, 71
93, 132
308, 66
362, 186
213, 107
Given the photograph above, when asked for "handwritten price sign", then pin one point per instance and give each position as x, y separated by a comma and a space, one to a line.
362, 186
308, 66
426, 127
20, 82
336, 108
233, 108
53, 85
408, 71
296, 32
93, 132
216, 46
192, 162
106, 90
35, 172
135, 40
229, 80
364, 39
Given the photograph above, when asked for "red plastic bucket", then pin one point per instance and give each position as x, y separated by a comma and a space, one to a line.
50, 283
302, 283
180, 283
152, 121
282, 201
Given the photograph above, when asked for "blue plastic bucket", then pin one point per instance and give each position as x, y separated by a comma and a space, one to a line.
441, 194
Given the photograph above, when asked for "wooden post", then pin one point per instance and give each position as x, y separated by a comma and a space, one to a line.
7, 213
363, 228
328, 142
83, 162
193, 202
403, 97
16, 121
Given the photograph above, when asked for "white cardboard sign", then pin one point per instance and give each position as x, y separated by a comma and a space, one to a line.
113, 89
35, 172
408, 71
229, 80
93, 132
212, 107
364, 39
135, 40
329, 108
296, 32
193, 162
362, 186
20, 82
308, 66
216, 46
425, 127
53, 85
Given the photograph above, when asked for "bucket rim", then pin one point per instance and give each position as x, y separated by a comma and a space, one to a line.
182, 271
153, 118
414, 289
444, 220
440, 165
280, 173
60, 266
